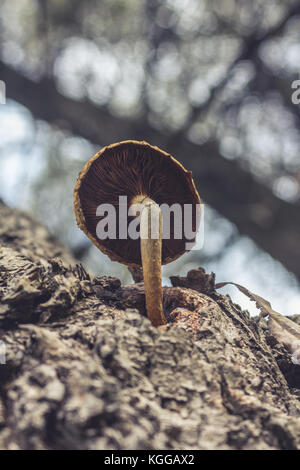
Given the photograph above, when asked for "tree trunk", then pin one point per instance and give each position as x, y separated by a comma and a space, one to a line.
82, 367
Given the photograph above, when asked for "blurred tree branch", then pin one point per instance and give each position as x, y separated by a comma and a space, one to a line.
248, 50
229, 188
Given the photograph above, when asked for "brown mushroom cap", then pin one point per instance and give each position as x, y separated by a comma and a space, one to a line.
131, 169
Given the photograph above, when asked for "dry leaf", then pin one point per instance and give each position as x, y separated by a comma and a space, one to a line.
282, 328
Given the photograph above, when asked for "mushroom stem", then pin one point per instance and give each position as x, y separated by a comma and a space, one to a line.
151, 248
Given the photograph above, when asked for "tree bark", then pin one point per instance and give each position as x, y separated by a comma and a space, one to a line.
85, 369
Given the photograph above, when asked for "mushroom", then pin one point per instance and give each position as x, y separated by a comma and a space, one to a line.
145, 177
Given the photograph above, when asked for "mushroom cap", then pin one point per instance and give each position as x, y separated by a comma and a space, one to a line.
131, 169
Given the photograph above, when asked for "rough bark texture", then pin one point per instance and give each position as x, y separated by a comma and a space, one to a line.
85, 369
